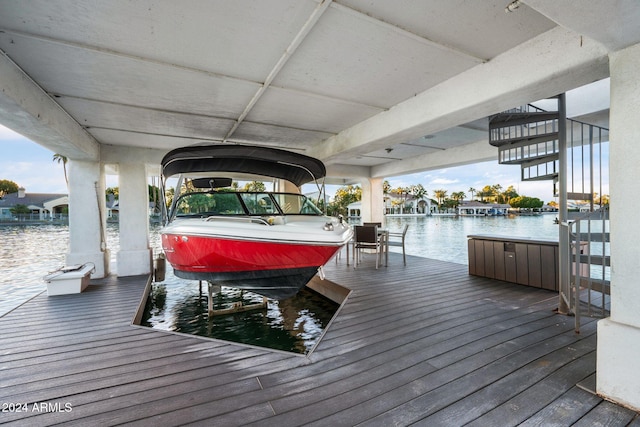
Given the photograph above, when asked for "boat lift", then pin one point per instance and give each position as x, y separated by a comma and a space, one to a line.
236, 307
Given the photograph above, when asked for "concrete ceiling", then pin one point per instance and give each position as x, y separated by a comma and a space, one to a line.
375, 88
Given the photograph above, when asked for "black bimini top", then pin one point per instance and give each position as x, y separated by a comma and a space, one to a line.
281, 164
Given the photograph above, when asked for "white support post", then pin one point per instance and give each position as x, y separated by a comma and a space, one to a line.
135, 256
87, 242
287, 187
617, 373
372, 200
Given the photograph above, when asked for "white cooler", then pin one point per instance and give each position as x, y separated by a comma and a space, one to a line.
72, 279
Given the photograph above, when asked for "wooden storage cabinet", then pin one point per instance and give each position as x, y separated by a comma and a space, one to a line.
518, 260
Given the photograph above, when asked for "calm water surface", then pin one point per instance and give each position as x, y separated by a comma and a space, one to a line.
445, 238
27, 253
294, 324
30, 252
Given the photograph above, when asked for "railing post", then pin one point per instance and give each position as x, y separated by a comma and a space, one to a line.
563, 238
575, 270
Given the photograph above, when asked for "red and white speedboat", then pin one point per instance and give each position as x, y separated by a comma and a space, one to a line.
271, 243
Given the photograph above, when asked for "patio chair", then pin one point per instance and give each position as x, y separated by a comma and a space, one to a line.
371, 224
399, 243
365, 237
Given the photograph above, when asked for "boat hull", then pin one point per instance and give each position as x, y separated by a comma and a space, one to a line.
271, 268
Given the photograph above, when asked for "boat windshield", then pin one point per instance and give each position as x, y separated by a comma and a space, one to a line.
207, 204
296, 204
200, 204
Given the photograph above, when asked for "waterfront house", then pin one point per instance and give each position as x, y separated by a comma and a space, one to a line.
476, 208
43, 206
407, 204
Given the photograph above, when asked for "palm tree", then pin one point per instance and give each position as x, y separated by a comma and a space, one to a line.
486, 192
472, 191
386, 187
495, 189
440, 195
418, 191
509, 194
62, 159
458, 196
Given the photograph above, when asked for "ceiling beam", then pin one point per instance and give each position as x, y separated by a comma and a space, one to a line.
476, 152
286, 55
562, 60
27, 109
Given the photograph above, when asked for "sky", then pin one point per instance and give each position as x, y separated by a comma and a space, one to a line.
31, 166
477, 175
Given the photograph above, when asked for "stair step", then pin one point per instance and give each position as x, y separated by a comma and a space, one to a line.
535, 161
547, 177
595, 260
579, 196
523, 141
529, 161
521, 118
597, 285
573, 216
595, 237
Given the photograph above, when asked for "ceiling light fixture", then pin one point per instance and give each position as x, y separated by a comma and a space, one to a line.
511, 7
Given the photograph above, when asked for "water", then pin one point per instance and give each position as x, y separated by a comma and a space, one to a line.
27, 253
295, 324
445, 238
30, 252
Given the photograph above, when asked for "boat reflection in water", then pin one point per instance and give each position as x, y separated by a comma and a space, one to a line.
294, 324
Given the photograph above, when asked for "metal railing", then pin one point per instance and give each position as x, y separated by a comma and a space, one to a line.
573, 154
32, 218
524, 122
586, 288
585, 161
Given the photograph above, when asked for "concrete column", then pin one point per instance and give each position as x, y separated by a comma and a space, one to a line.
135, 256
87, 238
285, 186
618, 376
372, 200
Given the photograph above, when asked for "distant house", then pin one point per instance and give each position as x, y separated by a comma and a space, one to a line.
406, 204
475, 208
396, 205
354, 210
42, 206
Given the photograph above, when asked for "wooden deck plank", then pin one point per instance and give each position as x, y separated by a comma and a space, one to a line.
414, 381
410, 407
430, 345
517, 382
607, 414
564, 410
422, 343
534, 398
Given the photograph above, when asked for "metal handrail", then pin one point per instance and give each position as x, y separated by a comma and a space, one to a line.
579, 261
253, 219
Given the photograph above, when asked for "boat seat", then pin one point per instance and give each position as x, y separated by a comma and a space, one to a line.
397, 239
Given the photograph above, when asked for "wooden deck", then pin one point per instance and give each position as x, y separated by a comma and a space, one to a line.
425, 344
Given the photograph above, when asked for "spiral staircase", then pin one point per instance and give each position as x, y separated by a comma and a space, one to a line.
573, 155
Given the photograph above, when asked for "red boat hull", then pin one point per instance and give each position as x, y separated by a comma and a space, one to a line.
217, 255
274, 269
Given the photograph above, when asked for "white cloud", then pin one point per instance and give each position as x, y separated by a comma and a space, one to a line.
444, 181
